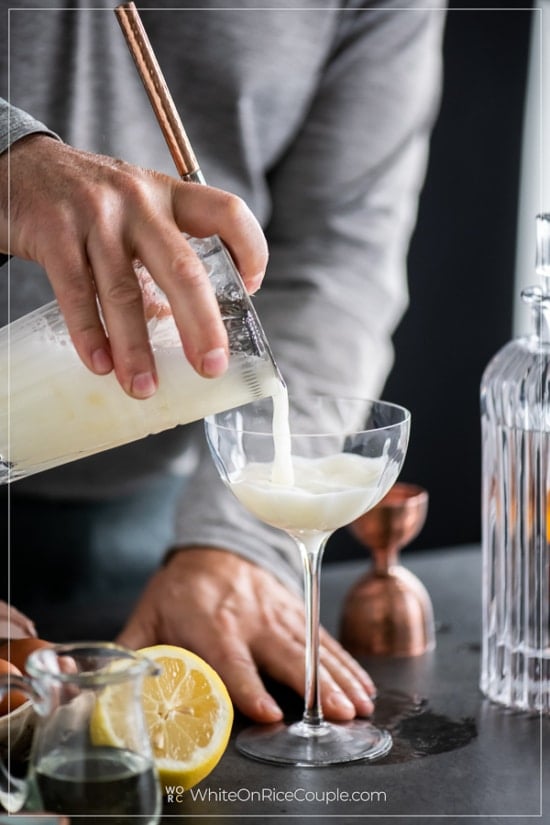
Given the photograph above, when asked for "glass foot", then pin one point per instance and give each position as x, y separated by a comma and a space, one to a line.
305, 746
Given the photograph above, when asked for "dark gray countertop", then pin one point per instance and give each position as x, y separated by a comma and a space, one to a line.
495, 778
501, 775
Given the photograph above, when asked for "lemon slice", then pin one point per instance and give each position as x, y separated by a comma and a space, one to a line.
188, 714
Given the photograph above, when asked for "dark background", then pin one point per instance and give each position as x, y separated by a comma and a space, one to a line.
461, 268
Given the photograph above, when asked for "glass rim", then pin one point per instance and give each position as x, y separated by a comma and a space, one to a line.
368, 402
137, 665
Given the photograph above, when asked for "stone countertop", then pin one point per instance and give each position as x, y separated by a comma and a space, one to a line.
477, 762
490, 773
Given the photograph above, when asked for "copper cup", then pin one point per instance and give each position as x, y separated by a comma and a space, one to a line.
388, 612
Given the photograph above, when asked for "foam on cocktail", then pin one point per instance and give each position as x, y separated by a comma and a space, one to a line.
325, 493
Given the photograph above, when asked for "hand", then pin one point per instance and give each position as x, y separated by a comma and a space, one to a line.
240, 618
13, 624
85, 218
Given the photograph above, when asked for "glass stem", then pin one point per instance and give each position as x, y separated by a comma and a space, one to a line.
312, 554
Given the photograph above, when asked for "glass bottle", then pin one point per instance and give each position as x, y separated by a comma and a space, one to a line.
515, 422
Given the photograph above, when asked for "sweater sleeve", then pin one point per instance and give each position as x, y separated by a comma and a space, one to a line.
344, 201
16, 124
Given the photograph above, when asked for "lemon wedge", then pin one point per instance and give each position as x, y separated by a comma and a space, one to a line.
188, 714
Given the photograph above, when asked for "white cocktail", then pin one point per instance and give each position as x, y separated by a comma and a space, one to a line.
324, 494
54, 410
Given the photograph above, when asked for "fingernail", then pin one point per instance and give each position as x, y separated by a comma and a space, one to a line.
101, 361
214, 363
255, 283
338, 699
363, 703
270, 708
143, 385
368, 687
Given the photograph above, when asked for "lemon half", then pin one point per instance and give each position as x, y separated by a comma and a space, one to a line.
188, 714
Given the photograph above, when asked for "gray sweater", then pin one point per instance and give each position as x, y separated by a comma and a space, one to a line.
318, 115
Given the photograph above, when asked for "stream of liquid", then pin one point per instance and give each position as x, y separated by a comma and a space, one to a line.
282, 471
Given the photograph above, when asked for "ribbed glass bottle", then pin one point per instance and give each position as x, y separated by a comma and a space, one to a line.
515, 420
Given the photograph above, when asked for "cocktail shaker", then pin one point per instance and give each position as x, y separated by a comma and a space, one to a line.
53, 410
515, 422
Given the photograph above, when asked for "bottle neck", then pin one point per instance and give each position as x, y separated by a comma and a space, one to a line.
539, 301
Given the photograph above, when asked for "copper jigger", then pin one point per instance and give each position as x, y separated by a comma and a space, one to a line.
388, 612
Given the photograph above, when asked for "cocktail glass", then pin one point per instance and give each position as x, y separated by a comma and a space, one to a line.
309, 482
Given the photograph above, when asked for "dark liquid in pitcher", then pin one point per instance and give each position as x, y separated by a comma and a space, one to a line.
109, 785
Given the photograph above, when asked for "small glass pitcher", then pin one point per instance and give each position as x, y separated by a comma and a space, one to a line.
90, 756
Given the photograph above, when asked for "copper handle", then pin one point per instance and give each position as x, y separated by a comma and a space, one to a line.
157, 90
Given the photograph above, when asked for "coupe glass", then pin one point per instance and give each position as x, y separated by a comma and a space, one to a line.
309, 483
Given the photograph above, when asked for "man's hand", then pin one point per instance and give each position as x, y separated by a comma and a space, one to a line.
86, 218
240, 619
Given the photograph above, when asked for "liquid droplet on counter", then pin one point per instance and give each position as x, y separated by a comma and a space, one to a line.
418, 731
